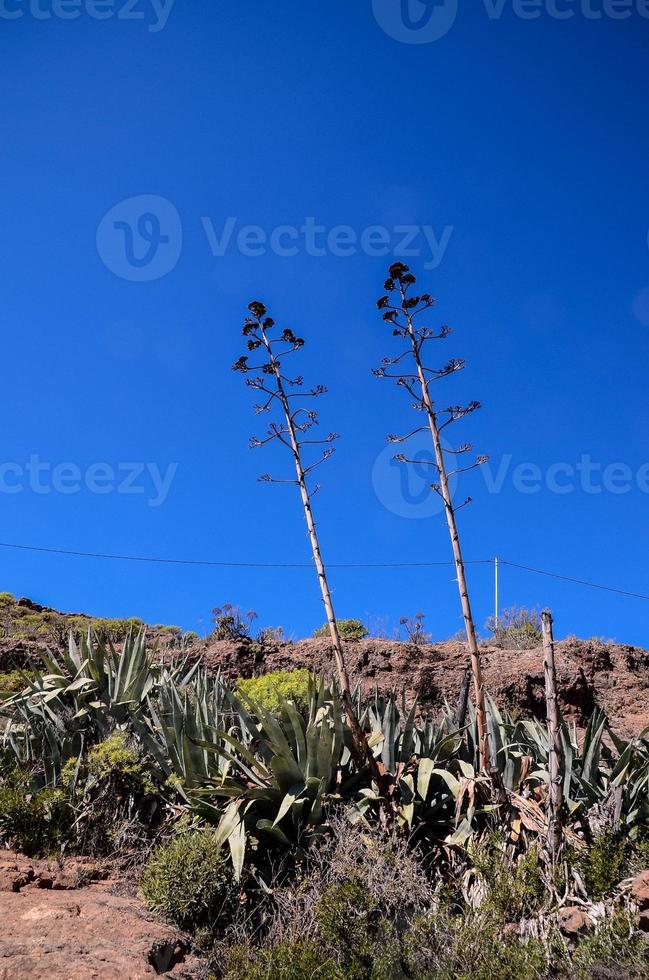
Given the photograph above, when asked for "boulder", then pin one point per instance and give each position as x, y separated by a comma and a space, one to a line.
573, 921
640, 890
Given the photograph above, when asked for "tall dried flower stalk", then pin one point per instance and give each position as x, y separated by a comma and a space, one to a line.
280, 391
401, 310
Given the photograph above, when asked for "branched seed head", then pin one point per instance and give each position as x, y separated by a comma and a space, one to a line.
280, 390
405, 310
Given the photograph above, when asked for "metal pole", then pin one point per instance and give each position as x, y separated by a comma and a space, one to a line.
496, 591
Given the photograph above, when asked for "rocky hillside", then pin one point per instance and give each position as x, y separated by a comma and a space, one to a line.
26, 627
590, 673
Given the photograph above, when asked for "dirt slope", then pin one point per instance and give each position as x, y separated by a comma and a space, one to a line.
614, 676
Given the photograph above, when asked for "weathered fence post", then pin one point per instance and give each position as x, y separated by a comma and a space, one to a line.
554, 742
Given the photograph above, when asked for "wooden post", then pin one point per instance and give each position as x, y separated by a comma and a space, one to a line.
554, 743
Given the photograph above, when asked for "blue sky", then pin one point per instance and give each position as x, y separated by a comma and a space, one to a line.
514, 152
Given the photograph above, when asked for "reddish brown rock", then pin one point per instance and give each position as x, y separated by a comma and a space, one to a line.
640, 890
88, 934
573, 921
15, 874
589, 672
65, 881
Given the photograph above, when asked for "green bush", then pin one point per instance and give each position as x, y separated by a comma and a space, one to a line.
280, 961
348, 629
35, 823
13, 681
514, 892
470, 947
614, 950
518, 628
118, 799
115, 758
270, 690
346, 915
190, 880
605, 863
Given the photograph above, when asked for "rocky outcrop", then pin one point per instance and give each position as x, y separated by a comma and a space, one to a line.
56, 924
590, 673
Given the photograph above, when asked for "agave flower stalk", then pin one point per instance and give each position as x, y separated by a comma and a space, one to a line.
554, 739
401, 310
278, 390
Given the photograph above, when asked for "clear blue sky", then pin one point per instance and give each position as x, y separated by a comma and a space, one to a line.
525, 141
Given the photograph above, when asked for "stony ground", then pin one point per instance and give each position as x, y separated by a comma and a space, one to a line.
74, 923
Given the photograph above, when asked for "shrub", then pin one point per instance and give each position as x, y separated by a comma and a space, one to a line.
344, 915
470, 947
13, 681
614, 950
116, 759
35, 823
348, 629
190, 881
230, 623
518, 628
513, 891
119, 799
270, 690
605, 863
281, 961
639, 857
270, 635
414, 627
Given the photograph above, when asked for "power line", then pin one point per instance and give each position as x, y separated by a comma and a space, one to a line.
235, 564
257, 564
576, 581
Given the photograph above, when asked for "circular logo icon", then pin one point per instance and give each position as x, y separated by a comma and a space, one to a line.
404, 488
415, 21
141, 238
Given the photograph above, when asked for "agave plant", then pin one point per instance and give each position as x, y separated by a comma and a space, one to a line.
77, 700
